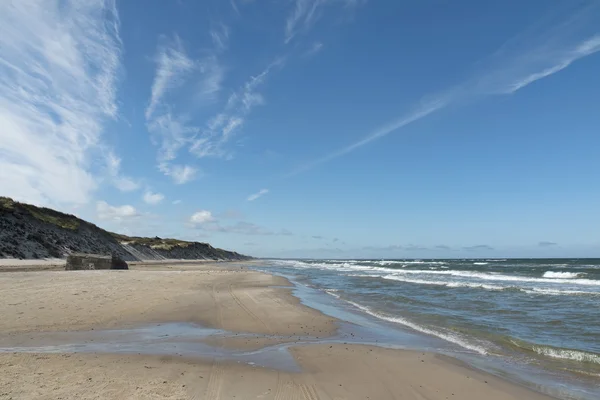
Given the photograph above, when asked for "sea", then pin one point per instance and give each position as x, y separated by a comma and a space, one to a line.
525, 316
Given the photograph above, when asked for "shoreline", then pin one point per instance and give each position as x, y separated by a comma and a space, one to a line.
249, 309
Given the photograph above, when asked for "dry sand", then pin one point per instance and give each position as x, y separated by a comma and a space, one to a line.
224, 296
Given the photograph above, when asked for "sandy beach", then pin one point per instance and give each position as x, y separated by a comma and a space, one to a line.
224, 296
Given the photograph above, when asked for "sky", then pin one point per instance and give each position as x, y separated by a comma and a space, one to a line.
310, 128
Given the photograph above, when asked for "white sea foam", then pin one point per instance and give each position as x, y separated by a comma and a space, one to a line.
390, 262
501, 277
480, 263
558, 274
565, 354
445, 283
557, 292
449, 337
460, 284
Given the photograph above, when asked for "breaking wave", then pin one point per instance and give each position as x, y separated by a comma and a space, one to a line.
559, 274
449, 337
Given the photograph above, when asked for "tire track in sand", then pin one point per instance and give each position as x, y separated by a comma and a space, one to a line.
215, 381
217, 307
287, 389
308, 392
246, 309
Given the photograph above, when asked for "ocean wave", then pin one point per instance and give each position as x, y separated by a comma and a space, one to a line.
449, 337
552, 277
567, 354
480, 263
560, 274
474, 285
500, 277
556, 352
445, 283
390, 262
557, 292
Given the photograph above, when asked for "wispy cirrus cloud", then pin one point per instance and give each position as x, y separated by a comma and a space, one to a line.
171, 129
544, 51
305, 13
59, 63
314, 49
220, 128
258, 194
173, 64
219, 34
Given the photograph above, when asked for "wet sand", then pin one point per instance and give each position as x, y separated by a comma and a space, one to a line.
218, 295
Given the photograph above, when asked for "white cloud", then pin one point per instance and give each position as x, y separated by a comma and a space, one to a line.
220, 36
556, 62
202, 217
519, 63
175, 202
121, 182
306, 13
222, 127
116, 213
125, 184
302, 17
153, 198
258, 194
212, 75
180, 173
172, 66
58, 69
204, 220
174, 131
420, 112
314, 49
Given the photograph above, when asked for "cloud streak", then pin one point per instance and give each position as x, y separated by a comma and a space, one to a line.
258, 194
518, 64
306, 13
173, 65
58, 72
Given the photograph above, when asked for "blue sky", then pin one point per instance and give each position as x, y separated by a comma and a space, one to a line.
310, 128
